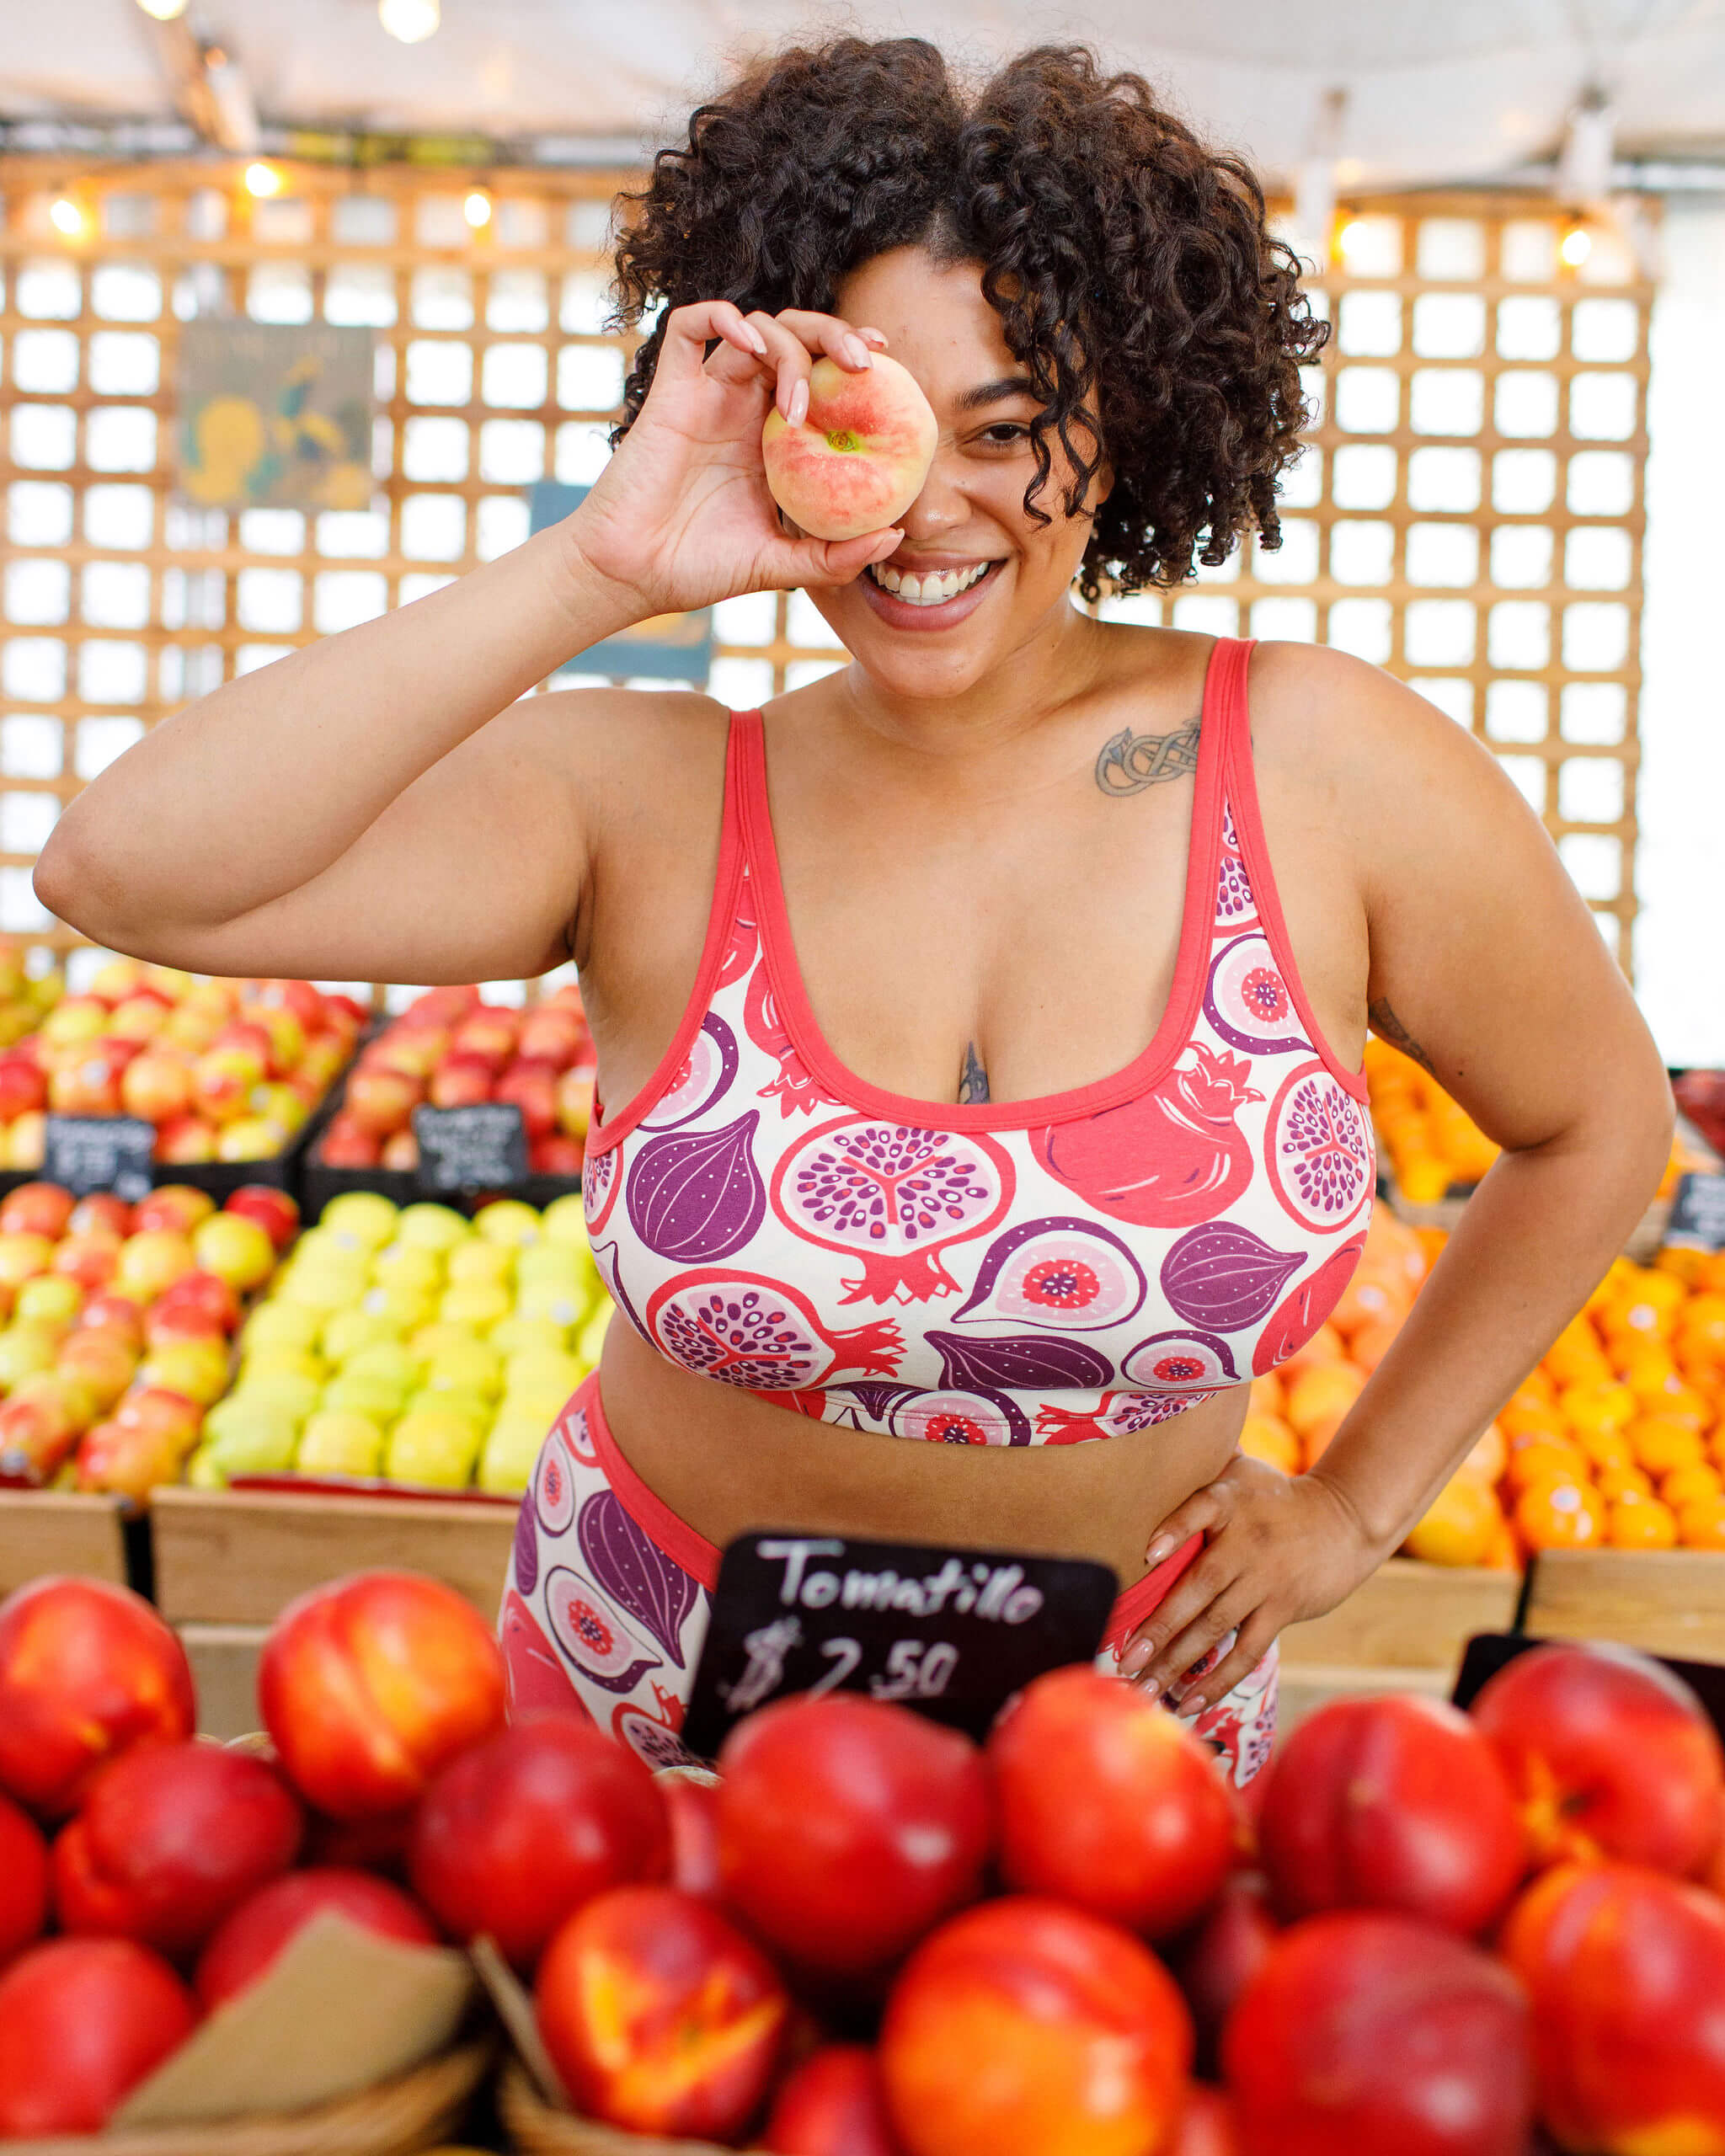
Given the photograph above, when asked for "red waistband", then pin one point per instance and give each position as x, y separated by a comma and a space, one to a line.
699, 1557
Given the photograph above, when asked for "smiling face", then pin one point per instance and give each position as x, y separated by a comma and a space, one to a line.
1001, 580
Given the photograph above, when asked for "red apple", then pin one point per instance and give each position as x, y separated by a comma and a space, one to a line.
75, 1018
489, 1033
459, 1081
859, 459
414, 1051
370, 1684
102, 1361
1395, 1803
207, 1295
82, 2022
1220, 1957
347, 1145
532, 1087
157, 1086
234, 1248
169, 1841
187, 1139
101, 1214
119, 978
87, 1671
832, 2104
150, 1263
660, 2015
170, 1323
275, 1212
23, 1880
247, 1940
1108, 1801
23, 1088
1365, 2032
521, 1830
40, 1424
442, 1006
92, 1259
36, 1208
305, 1001
692, 1808
126, 1461
116, 1314
555, 1155
401, 1152
1208, 2126
346, 1014
22, 1256
574, 1100
90, 1085
223, 1079
847, 1828
249, 1037
1625, 1970
551, 1033
382, 1101
1608, 1753
1027, 2028
178, 1205
282, 1030
169, 1415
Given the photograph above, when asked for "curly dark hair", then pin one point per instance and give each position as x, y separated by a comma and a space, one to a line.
1131, 266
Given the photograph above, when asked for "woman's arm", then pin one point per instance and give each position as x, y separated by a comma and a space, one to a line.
1486, 964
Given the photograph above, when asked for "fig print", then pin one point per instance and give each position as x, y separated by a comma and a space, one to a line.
573, 1427
956, 1416
1318, 1150
1247, 1000
1035, 1362
554, 1490
893, 1196
758, 1334
697, 1193
794, 1088
1173, 1361
634, 1571
1068, 1275
1224, 1276
591, 1633
700, 1081
524, 1556
1170, 1158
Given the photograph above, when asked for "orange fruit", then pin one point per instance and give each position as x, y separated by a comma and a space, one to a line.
1459, 1526
1712, 1275
1316, 1395
1503, 1551
1370, 1298
1535, 1389
1326, 1345
1533, 1420
1641, 1524
1316, 1440
1701, 1525
1618, 1277
1265, 1397
1575, 1356
1687, 1486
1589, 1408
1424, 1177
1649, 1371
1605, 1449
1431, 1242
1560, 1516
1544, 1459
1683, 1265
1371, 1343
1488, 1457
1613, 1483
1661, 1446
1268, 1437
1700, 1328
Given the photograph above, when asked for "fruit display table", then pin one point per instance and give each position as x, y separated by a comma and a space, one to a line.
1669, 1602
60, 1531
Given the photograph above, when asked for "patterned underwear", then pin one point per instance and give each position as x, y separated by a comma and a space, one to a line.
610, 1594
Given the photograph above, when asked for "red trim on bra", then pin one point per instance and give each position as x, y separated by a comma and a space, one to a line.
719, 918
1204, 856
1254, 848
697, 1556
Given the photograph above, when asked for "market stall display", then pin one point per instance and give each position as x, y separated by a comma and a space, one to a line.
411, 1348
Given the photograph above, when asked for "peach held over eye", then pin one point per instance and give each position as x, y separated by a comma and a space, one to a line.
859, 460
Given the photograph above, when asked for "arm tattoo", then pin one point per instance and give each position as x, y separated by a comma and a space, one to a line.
973, 1078
1389, 1027
1132, 762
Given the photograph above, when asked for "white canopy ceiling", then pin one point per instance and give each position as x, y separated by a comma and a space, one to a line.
1466, 89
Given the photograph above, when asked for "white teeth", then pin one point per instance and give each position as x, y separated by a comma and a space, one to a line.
933, 589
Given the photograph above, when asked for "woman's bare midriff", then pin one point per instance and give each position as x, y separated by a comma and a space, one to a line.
726, 1462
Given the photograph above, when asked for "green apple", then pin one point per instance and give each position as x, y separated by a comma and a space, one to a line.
591, 1337
365, 1217
250, 1436
533, 1366
435, 1446
376, 1397
507, 1220
406, 1308
477, 1260
385, 1362
326, 1288
26, 1348
449, 1399
506, 1463
476, 1303
431, 1227
322, 1245
409, 1265
254, 1361
273, 1324
294, 1394
345, 1332
565, 1221
51, 1298
336, 1441
203, 1470
525, 1335
464, 1366
559, 1301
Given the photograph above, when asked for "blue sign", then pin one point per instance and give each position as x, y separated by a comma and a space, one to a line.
668, 647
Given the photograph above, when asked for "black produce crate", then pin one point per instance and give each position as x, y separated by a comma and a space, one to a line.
283, 1170
319, 1184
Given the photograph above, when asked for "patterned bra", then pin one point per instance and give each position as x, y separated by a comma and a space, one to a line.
1031, 1272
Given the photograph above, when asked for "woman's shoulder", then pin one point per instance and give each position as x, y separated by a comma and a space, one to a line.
1323, 717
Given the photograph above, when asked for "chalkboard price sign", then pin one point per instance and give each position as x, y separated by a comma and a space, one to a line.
99, 1152
475, 1148
1697, 1219
951, 1632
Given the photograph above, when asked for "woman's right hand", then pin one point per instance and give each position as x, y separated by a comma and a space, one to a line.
680, 516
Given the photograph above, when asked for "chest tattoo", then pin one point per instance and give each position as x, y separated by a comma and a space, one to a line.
1132, 762
973, 1078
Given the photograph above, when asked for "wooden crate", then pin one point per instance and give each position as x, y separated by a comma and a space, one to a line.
1408, 1616
224, 1660
1666, 1601
237, 1557
59, 1531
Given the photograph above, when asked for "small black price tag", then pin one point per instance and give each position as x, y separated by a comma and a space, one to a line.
475, 1148
951, 1632
1697, 1219
99, 1152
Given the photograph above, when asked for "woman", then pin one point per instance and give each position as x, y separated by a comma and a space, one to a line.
978, 1027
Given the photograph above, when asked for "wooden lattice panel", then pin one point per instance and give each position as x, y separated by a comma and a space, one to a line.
1469, 515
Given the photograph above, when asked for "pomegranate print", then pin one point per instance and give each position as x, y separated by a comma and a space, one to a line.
894, 1196
572, 1427
701, 1080
1236, 907
653, 1737
1248, 1002
1115, 1414
1294, 1320
760, 1335
1169, 1158
1317, 1149
601, 1176
1068, 1275
794, 1087
534, 1672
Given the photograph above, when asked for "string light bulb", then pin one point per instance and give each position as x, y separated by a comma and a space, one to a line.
476, 208
65, 216
163, 11
262, 179
1576, 245
411, 21
1349, 238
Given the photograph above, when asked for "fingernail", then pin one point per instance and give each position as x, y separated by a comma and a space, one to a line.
856, 351
1190, 1710
1150, 1688
874, 337
800, 404
756, 339
1163, 1547
1136, 1655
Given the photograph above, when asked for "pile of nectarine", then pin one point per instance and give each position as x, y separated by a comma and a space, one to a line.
450, 1050
871, 1936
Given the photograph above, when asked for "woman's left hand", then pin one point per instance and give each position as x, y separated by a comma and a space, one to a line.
1280, 1548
